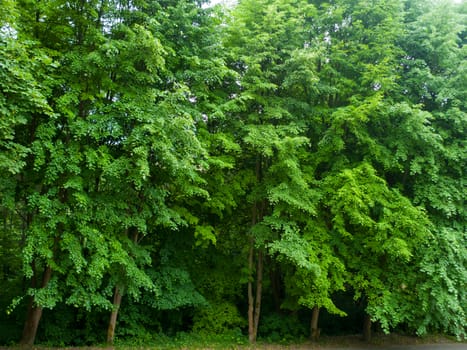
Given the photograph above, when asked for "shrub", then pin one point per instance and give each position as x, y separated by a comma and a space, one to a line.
217, 318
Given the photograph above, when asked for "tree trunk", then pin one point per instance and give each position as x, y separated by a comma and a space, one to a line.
259, 288
133, 233
367, 328
254, 303
251, 300
34, 314
31, 324
315, 331
113, 316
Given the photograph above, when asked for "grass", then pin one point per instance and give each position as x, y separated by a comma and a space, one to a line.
198, 342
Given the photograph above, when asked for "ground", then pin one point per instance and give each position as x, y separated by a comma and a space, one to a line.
379, 342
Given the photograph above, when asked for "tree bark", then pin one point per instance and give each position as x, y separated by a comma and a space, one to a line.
315, 331
259, 288
133, 233
113, 316
251, 300
367, 328
34, 314
254, 302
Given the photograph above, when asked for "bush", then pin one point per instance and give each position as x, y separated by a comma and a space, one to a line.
217, 318
281, 328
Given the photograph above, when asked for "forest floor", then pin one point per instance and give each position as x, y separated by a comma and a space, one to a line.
379, 342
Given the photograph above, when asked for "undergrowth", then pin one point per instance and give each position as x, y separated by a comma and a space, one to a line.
184, 340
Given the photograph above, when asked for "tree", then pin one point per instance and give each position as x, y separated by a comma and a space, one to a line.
264, 39
360, 107
23, 64
119, 145
434, 66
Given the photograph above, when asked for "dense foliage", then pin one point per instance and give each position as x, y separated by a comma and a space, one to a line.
171, 166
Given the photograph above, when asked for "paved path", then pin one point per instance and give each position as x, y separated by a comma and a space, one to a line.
410, 347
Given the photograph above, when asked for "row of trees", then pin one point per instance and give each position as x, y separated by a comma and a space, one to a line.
178, 166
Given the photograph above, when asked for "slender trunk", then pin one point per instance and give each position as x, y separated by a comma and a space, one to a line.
118, 294
34, 314
367, 327
315, 331
259, 288
113, 316
31, 324
251, 300
254, 302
